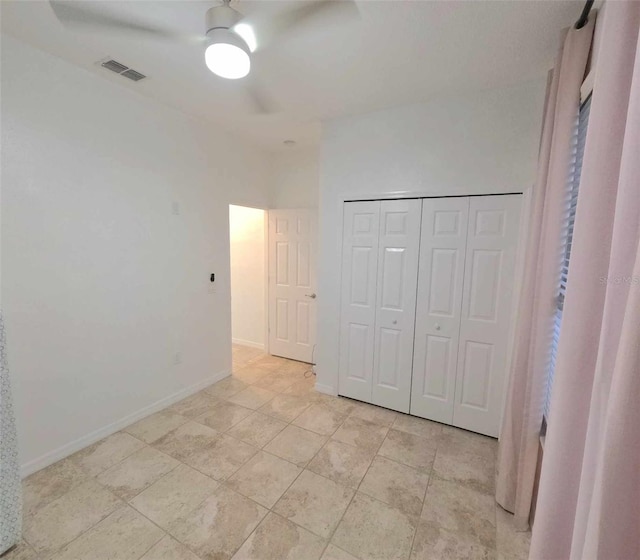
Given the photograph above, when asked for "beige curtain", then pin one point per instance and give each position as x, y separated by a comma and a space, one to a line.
589, 497
519, 439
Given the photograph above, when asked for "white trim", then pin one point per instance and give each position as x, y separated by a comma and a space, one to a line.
587, 86
67, 449
521, 251
265, 287
248, 343
326, 389
586, 89
399, 195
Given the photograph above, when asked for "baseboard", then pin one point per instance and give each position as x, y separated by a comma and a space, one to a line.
326, 389
68, 449
242, 342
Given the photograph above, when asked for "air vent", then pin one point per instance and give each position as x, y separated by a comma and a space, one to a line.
123, 70
114, 66
133, 75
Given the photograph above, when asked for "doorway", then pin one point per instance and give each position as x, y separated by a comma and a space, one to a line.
247, 247
273, 282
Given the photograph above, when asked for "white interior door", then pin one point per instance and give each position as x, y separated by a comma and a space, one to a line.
486, 312
443, 242
358, 298
398, 252
292, 284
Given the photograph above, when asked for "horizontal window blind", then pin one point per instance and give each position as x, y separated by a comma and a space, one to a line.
568, 220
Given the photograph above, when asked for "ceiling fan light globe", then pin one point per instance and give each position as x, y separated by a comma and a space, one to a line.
246, 33
227, 55
227, 61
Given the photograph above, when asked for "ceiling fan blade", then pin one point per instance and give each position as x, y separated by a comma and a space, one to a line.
73, 13
312, 9
270, 27
262, 103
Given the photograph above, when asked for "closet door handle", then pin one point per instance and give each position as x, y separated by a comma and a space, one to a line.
437, 326
312, 296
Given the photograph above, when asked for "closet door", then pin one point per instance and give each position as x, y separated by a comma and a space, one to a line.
443, 242
486, 312
398, 252
358, 298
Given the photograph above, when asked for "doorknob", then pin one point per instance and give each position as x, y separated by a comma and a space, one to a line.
437, 326
312, 296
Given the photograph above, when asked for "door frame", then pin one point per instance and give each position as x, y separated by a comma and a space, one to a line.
267, 318
459, 192
265, 226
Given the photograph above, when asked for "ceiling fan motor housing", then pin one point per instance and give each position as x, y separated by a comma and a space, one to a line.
223, 17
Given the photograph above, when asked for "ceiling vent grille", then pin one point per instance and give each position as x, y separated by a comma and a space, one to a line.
123, 70
133, 75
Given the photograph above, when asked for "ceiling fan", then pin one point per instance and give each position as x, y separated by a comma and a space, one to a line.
230, 38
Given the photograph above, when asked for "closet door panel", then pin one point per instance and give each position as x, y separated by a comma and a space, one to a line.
358, 298
398, 253
486, 312
440, 281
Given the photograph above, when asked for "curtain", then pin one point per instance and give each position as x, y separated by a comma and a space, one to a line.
589, 496
10, 495
520, 434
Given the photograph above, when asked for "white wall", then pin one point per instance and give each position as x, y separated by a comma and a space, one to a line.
248, 280
295, 178
102, 284
480, 142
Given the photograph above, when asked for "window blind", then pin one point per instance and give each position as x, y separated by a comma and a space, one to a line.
568, 220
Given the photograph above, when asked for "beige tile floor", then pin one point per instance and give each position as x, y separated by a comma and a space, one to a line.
261, 467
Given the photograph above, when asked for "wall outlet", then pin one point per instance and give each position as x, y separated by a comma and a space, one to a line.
177, 358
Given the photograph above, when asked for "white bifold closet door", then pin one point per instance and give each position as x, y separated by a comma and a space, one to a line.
492, 238
427, 306
398, 253
380, 265
358, 316
463, 313
440, 280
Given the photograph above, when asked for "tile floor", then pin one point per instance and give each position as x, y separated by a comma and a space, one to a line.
261, 467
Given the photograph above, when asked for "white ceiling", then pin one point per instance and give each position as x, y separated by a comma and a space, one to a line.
396, 52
